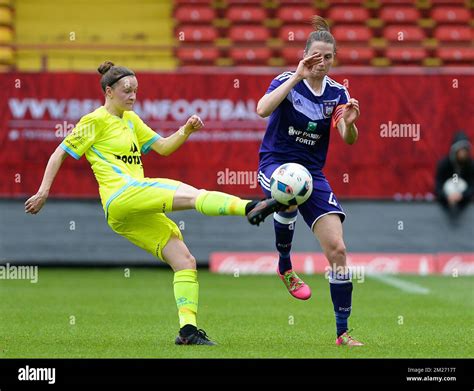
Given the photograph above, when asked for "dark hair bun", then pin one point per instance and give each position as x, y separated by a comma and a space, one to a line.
105, 66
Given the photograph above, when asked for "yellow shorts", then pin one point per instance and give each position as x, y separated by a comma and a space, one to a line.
137, 212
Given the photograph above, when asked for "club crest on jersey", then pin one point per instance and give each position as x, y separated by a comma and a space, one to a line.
328, 107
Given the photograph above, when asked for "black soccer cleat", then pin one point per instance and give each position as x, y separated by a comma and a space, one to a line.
198, 337
262, 209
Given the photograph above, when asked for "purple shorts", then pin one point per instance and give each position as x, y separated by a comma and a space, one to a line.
321, 202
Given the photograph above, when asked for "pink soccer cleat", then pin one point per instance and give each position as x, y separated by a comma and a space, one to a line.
346, 339
295, 285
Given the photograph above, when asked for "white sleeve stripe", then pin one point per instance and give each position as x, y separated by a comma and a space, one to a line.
284, 75
335, 83
347, 94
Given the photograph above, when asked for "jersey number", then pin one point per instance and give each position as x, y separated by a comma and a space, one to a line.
332, 200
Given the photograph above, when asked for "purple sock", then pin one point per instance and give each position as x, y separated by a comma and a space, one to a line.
284, 223
341, 295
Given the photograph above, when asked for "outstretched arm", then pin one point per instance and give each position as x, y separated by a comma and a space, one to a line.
167, 145
34, 204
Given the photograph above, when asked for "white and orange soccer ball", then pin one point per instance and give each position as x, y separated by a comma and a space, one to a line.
291, 184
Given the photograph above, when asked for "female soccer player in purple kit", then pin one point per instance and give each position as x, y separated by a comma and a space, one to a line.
303, 105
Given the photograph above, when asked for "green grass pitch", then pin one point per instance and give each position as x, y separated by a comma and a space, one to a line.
92, 313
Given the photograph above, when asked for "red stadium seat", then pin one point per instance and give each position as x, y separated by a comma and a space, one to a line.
453, 34
399, 15
352, 33
457, 15
245, 2
406, 54
249, 33
246, 14
456, 54
292, 54
295, 33
355, 55
404, 33
189, 14
250, 56
188, 33
295, 14
189, 56
348, 14
346, 2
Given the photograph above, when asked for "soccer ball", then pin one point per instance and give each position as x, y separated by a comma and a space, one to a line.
291, 184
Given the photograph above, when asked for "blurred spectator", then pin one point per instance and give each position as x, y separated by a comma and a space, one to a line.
455, 176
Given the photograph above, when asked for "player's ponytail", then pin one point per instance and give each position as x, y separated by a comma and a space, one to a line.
319, 23
321, 32
111, 74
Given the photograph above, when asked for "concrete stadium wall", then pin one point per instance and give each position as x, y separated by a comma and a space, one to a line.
75, 232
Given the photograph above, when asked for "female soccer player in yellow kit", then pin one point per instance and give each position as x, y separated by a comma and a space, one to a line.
113, 138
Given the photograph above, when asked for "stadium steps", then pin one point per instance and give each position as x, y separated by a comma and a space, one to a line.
89, 28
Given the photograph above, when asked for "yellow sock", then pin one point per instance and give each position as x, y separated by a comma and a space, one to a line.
186, 293
215, 203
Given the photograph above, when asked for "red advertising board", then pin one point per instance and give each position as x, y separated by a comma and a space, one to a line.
452, 264
406, 125
456, 263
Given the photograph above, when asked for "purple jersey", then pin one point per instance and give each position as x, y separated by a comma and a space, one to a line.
299, 128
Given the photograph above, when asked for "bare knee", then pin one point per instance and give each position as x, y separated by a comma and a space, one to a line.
177, 255
336, 252
189, 262
185, 261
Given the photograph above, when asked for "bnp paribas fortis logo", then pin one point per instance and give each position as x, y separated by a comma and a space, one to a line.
311, 127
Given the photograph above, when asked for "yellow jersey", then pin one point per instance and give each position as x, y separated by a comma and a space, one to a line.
113, 146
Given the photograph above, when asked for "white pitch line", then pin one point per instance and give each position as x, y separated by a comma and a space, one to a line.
405, 286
